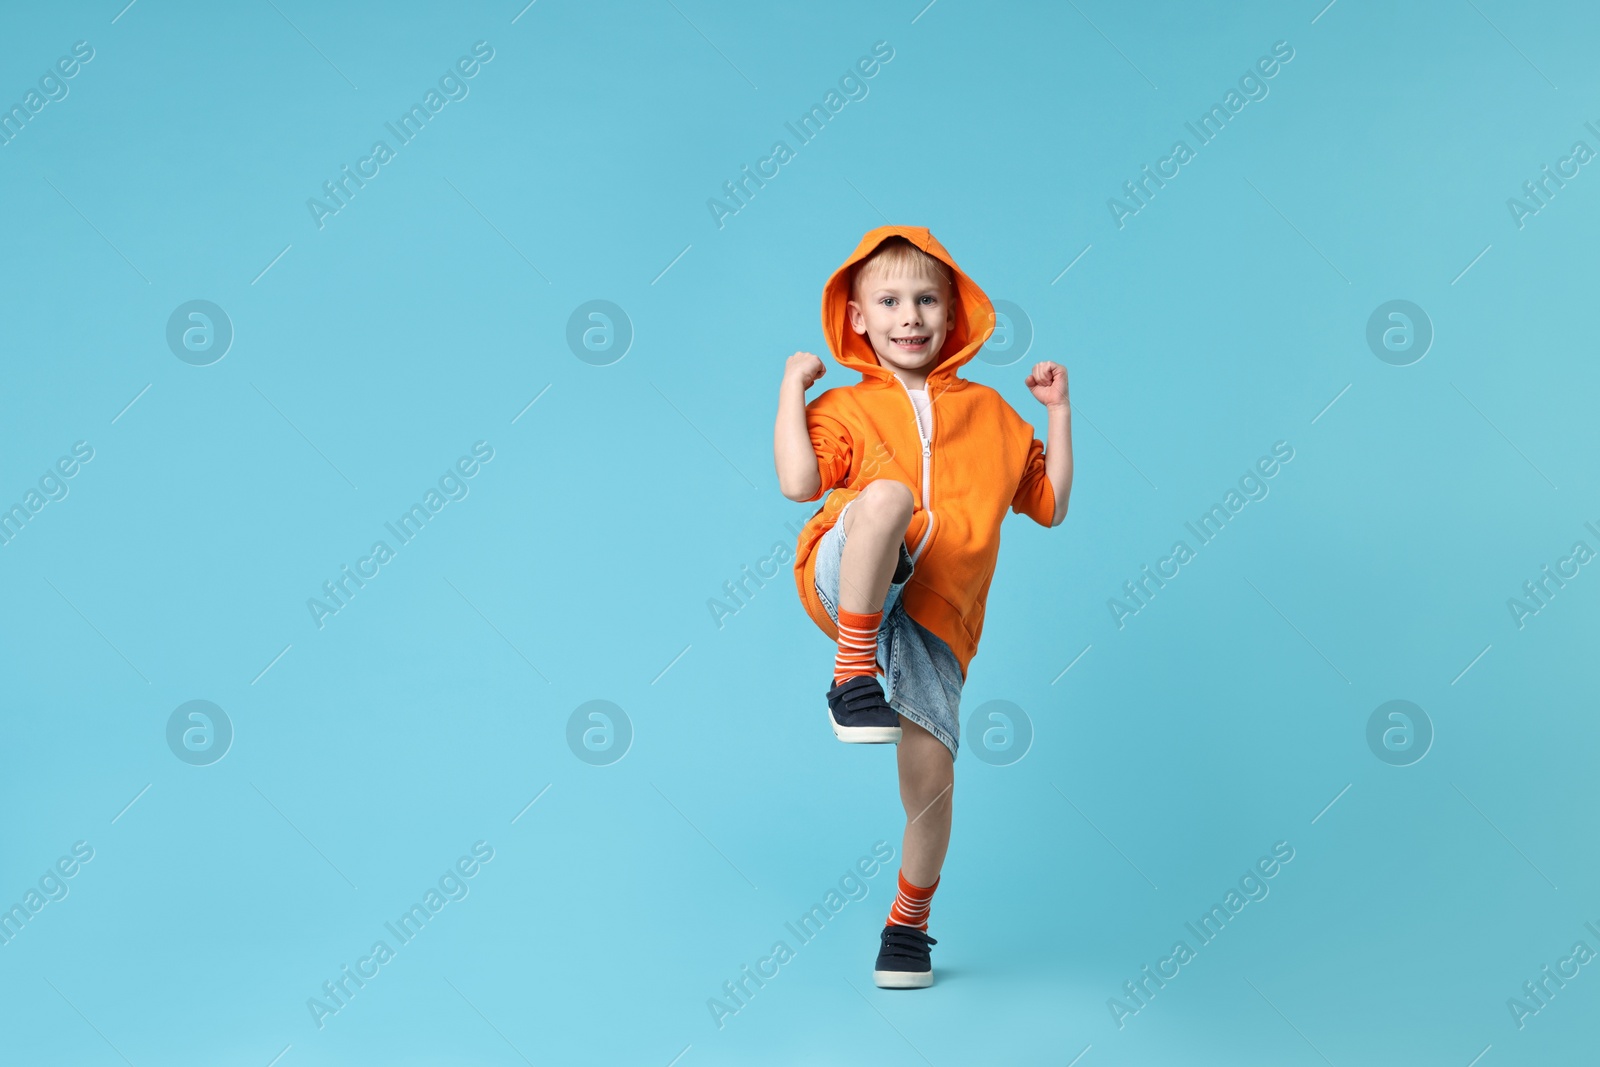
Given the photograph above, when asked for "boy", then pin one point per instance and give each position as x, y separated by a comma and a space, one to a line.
896, 564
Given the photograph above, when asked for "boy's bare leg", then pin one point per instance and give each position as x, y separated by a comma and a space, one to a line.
927, 780
875, 527
874, 530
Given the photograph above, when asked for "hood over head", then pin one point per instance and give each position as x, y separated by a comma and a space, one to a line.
971, 328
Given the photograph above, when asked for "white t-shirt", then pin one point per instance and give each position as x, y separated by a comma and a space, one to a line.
919, 398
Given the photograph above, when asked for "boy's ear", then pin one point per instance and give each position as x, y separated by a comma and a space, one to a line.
858, 319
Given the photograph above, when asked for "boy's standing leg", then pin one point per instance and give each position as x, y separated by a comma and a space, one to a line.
874, 525
927, 781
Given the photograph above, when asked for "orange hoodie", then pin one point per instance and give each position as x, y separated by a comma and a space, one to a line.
979, 458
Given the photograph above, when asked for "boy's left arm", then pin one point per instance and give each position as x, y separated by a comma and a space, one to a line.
1048, 383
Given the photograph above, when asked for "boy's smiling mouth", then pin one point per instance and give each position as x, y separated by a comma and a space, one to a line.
910, 344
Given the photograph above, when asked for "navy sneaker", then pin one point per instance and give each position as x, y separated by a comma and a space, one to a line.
859, 713
903, 961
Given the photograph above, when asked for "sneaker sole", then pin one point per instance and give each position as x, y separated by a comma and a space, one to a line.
865, 735
902, 979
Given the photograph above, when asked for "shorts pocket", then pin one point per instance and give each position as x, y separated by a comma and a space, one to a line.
827, 601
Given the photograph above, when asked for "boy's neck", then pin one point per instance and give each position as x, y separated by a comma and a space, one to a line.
913, 379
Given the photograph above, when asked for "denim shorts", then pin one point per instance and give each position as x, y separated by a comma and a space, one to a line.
922, 674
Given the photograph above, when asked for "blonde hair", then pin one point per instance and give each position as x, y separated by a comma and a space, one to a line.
898, 256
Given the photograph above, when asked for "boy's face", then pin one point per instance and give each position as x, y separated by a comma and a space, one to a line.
905, 318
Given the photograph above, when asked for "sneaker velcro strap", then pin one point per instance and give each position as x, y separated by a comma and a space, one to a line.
861, 693
906, 942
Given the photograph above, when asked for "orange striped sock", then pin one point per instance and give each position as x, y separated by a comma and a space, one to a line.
858, 644
911, 903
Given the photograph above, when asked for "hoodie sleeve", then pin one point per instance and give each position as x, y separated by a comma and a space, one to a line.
830, 440
1035, 496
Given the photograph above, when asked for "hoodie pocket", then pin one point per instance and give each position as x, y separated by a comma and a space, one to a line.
924, 541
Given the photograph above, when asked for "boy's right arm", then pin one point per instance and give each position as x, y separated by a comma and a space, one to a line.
796, 460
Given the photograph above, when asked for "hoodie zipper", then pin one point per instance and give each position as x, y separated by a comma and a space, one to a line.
927, 458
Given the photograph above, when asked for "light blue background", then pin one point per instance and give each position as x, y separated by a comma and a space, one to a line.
427, 714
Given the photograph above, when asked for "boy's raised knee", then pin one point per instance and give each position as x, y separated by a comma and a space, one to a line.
888, 499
